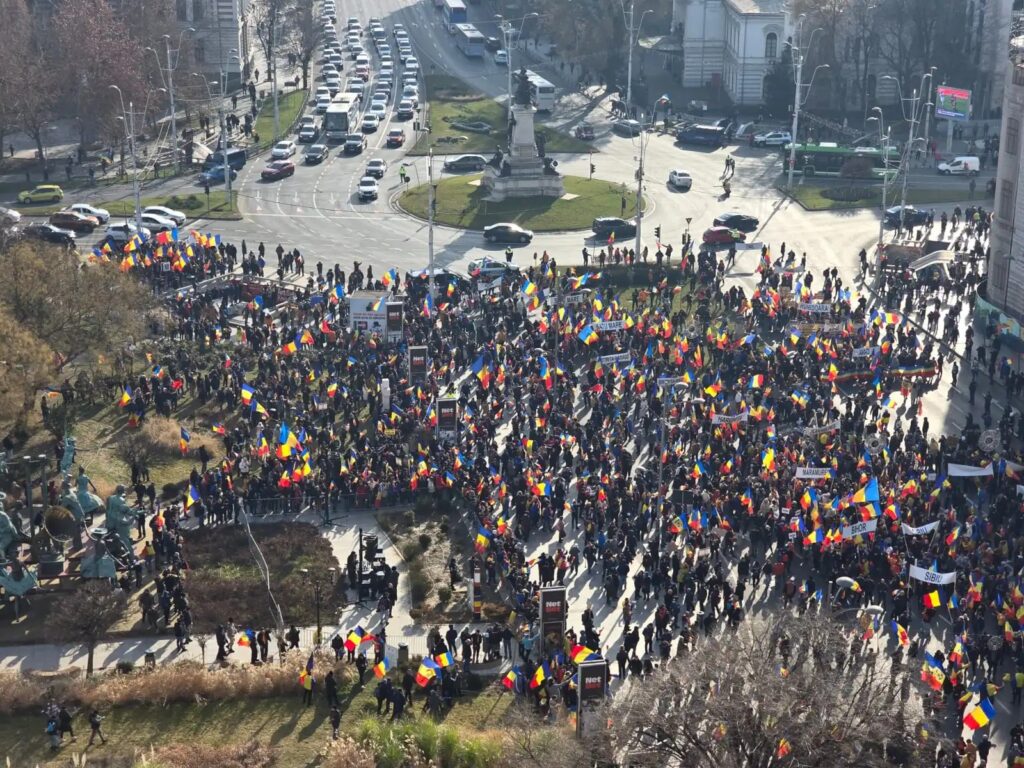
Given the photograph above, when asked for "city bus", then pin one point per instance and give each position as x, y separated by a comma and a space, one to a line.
829, 158
542, 93
470, 41
707, 135
342, 117
454, 12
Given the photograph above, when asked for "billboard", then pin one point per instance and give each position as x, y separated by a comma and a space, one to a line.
553, 611
417, 365
448, 416
368, 311
593, 680
395, 318
952, 103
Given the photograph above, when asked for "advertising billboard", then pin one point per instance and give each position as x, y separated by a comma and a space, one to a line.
952, 103
593, 680
417, 365
448, 417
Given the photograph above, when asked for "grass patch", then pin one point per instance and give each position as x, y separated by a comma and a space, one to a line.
451, 100
296, 734
193, 204
224, 581
811, 197
290, 106
460, 203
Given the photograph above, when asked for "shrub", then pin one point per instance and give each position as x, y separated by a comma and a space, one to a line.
250, 755
424, 540
410, 551
125, 667
171, 491
444, 594
189, 203
347, 753
419, 584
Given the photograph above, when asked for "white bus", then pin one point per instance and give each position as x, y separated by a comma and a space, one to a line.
542, 93
342, 117
454, 12
470, 41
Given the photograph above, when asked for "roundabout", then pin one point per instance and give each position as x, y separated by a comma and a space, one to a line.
460, 202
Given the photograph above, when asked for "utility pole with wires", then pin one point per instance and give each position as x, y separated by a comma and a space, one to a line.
167, 78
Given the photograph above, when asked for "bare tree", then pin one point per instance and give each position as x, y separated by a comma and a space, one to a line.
307, 34
33, 100
798, 688
269, 17
13, 53
86, 616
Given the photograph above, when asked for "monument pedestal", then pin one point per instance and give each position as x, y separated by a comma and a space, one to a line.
523, 172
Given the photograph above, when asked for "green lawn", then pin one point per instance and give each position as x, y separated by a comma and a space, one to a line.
810, 197
451, 99
193, 204
297, 733
460, 203
290, 106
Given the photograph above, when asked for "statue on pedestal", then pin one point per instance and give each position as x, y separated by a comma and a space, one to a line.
88, 501
120, 516
69, 501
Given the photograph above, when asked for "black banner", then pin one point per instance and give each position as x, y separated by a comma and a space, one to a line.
593, 680
395, 320
448, 416
553, 610
417, 365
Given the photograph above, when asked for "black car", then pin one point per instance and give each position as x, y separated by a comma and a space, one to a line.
507, 233
466, 163
314, 154
739, 221
604, 227
416, 281
911, 217
492, 44
355, 143
50, 234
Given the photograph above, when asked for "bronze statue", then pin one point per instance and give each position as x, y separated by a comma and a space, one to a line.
522, 94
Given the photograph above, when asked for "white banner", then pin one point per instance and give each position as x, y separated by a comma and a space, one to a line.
932, 577
813, 472
910, 530
864, 352
859, 529
611, 325
621, 357
832, 426
721, 418
823, 309
966, 470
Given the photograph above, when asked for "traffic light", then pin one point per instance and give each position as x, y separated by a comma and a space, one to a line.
592, 169
657, 233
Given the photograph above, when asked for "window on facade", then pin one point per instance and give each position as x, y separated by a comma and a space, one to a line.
1012, 138
771, 45
1006, 201
1018, 75
199, 50
182, 10
198, 9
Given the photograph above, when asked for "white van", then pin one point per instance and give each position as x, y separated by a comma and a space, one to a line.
960, 166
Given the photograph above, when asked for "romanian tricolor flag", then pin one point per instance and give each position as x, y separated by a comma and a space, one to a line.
219, 429
184, 439
543, 673
580, 653
355, 639
510, 678
445, 660
783, 749
126, 397
192, 497
382, 667
428, 671
932, 600
901, 633
483, 539
588, 335
247, 393
868, 493
981, 715
246, 638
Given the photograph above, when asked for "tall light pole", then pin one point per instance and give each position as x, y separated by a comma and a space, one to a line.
884, 138
798, 63
168, 83
222, 141
430, 219
913, 120
128, 118
318, 585
640, 189
507, 29
928, 103
634, 37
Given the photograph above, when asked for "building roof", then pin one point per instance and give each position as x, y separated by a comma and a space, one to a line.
777, 7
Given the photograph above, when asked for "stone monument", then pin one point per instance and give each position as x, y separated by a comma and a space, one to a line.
522, 171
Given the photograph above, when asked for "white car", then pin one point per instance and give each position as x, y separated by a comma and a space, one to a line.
370, 123
322, 103
122, 233
9, 217
160, 210
490, 268
368, 188
680, 180
334, 85
102, 214
283, 150
157, 223
307, 134
307, 121
356, 51
773, 139
501, 58
379, 110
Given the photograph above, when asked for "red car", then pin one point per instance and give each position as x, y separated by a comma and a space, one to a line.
74, 221
278, 169
723, 236
396, 137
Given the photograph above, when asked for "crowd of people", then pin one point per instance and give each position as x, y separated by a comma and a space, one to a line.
695, 444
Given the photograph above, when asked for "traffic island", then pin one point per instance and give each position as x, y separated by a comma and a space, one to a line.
461, 202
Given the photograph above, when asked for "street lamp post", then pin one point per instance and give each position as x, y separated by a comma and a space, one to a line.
885, 138
169, 84
431, 202
913, 120
318, 586
798, 63
634, 37
128, 118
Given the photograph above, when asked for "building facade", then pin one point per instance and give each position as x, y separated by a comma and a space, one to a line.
1006, 261
731, 44
223, 40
